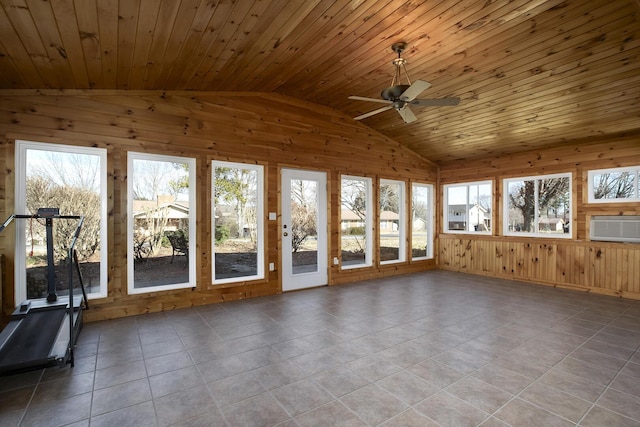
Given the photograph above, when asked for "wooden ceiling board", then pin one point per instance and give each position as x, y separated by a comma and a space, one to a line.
107, 40
435, 63
88, 30
244, 66
530, 73
379, 69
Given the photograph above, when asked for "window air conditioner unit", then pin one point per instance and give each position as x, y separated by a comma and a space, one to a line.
616, 228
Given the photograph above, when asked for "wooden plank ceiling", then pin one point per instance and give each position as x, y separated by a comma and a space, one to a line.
530, 73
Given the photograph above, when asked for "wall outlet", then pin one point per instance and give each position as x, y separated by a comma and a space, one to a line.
336, 261
272, 216
272, 266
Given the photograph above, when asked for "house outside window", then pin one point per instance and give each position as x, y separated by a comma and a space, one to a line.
355, 222
421, 221
161, 223
392, 220
468, 207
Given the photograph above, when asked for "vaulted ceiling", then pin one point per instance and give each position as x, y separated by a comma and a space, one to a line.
530, 73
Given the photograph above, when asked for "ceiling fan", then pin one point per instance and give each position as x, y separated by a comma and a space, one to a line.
400, 96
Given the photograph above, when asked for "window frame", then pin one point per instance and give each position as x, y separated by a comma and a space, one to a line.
402, 221
191, 162
430, 221
537, 234
594, 172
260, 216
445, 206
368, 256
21, 202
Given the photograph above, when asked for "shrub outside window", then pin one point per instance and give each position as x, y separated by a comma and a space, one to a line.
614, 185
468, 207
161, 223
538, 206
73, 179
238, 221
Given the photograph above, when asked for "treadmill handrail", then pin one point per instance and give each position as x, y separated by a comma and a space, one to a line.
18, 216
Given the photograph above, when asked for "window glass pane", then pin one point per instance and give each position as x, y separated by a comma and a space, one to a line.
304, 225
421, 239
457, 208
481, 218
72, 180
521, 212
468, 207
237, 211
354, 222
538, 206
614, 185
391, 221
553, 205
161, 223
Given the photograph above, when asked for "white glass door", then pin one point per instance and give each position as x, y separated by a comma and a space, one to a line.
304, 229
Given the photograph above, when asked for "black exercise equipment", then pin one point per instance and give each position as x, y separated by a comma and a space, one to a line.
43, 332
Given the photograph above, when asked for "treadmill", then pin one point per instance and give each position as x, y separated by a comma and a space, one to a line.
43, 332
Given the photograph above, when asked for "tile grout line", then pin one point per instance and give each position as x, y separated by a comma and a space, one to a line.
533, 381
608, 385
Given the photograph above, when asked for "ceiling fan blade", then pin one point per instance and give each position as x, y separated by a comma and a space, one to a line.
407, 115
435, 102
374, 112
362, 98
414, 90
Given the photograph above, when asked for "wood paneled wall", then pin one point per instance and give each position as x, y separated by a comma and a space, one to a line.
274, 130
602, 267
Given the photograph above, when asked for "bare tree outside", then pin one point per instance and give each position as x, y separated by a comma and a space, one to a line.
614, 185
353, 201
68, 181
390, 216
420, 238
69, 170
304, 213
160, 211
236, 220
552, 202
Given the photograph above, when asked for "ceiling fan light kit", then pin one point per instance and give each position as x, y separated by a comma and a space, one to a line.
399, 95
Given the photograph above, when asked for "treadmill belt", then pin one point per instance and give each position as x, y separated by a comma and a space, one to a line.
32, 342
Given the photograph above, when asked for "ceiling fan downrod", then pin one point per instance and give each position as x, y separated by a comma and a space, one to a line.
393, 92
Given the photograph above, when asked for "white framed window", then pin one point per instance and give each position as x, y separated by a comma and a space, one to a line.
73, 179
355, 222
616, 185
538, 206
468, 207
238, 222
392, 221
161, 222
421, 221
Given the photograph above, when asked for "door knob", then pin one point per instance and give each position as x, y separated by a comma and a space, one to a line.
286, 234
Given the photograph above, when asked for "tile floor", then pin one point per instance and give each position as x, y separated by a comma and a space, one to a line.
428, 349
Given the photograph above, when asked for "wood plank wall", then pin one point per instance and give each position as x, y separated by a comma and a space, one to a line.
600, 267
275, 130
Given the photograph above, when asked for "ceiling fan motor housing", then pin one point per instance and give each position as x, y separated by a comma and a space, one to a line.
392, 93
